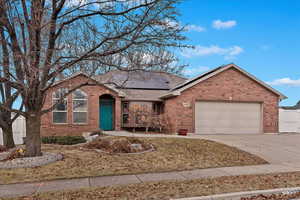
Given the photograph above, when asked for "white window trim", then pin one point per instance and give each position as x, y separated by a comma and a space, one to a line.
87, 109
66, 111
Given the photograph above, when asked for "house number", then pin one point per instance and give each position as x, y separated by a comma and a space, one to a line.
186, 104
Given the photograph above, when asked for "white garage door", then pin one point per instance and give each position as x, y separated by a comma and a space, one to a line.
227, 118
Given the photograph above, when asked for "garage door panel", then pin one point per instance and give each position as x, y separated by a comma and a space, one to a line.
227, 118
226, 131
228, 124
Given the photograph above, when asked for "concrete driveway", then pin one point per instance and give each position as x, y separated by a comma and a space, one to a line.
276, 149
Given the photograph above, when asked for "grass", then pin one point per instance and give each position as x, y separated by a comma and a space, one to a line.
177, 189
172, 154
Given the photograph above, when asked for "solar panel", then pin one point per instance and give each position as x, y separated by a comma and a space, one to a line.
139, 80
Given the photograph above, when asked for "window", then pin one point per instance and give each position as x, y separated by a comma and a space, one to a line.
61, 105
80, 107
158, 108
125, 107
125, 118
125, 112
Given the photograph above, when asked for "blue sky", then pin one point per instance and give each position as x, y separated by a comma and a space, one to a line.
261, 36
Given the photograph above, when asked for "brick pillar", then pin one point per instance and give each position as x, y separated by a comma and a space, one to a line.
118, 114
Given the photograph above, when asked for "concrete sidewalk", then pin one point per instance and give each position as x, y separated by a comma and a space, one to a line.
280, 150
21, 189
131, 134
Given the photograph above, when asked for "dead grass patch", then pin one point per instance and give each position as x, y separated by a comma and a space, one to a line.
172, 154
273, 197
165, 190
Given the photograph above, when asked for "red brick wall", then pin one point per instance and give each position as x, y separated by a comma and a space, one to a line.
229, 85
93, 92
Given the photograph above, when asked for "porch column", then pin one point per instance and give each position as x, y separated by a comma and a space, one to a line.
118, 114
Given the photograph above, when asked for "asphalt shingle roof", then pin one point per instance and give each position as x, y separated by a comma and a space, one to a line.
295, 107
140, 80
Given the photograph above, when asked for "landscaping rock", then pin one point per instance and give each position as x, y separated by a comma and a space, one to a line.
4, 155
136, 147
86, 134
91, 138
28, 162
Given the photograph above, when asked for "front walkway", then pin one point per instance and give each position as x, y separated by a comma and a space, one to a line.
21, 189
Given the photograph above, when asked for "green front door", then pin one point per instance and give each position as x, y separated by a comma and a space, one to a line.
106, 114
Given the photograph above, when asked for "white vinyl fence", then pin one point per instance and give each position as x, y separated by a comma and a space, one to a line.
289, 121
18, 129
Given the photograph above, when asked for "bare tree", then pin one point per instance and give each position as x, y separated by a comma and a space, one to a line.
43, 37
8, 94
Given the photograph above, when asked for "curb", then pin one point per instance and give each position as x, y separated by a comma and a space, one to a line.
238, 195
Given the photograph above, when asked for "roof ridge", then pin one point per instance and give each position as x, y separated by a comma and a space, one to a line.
199, 76
189, 83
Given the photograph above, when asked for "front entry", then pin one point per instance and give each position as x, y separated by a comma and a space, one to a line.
106, 113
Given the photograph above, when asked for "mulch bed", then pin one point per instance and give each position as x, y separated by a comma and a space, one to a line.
15, 158
14, 154
14, 161
119, 145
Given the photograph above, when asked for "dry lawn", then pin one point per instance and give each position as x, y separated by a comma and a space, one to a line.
172, 154
177, 189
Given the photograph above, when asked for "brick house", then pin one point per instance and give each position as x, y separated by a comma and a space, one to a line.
225, 100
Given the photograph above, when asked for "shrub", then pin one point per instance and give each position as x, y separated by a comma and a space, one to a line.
49, 140
63, 140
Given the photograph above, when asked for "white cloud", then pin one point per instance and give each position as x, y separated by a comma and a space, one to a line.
218, 24
194, 71
194, 27
286, 82
232, 52
173, 24
71, 3
228, 53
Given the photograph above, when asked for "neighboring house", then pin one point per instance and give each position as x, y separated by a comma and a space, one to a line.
295, 107
225, 100
19, 130
289, 119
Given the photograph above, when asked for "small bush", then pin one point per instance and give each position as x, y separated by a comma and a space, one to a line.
49, 140
63, 140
